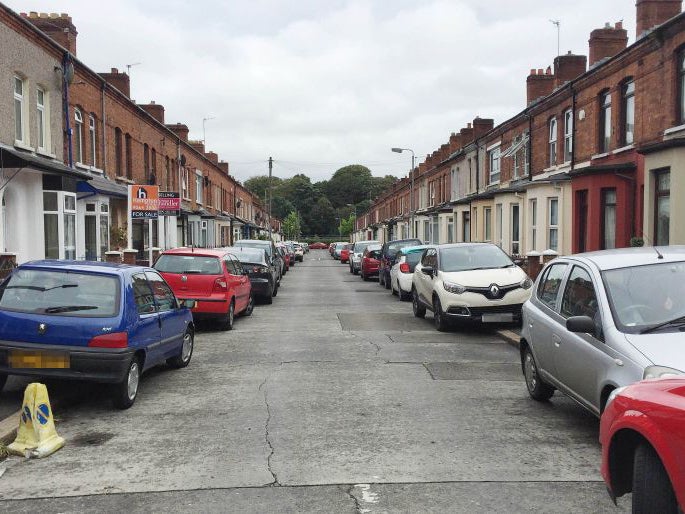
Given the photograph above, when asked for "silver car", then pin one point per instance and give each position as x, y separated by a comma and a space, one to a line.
356, 254
603, 320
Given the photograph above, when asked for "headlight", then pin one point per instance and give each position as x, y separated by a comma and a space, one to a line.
526, 283
652, 372
613, 395
453, 288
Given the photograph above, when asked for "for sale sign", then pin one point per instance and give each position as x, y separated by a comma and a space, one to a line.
169, 203
144, 201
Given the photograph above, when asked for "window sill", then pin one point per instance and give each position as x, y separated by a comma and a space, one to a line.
125, 180
674, 130
623, 149
23, 146
81, 166
45, 153
600, 156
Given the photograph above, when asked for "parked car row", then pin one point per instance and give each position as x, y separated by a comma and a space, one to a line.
109, 323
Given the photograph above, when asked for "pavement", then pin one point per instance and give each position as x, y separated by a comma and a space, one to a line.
333, 399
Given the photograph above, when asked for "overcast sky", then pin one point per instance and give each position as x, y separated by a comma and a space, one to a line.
319, 84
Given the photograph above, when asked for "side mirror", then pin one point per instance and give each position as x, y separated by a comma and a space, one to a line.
580, 324
188, 304
428, 270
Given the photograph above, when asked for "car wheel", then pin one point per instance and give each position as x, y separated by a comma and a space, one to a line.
392, 288
250, 306
275, 291
419, 310
439, 319
227, 322
401, 293
351, 270
652, 489
356, 271
269, 299
381, 282
537, 389
183, 358
126, 391
386, 282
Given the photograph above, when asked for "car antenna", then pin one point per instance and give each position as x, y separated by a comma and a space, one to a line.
659, 255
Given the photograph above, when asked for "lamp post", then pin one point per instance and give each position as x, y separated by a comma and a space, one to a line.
354, 223
411, 188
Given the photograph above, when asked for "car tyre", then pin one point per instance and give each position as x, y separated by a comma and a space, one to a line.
403, 295
125, 392
652, 489
392, 288
183, 358
386, 281
537, 389
441, 323
418, 309
227, 322
250, 306
275, 291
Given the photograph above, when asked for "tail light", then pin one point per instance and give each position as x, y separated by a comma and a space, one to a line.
260, 269
220, 285
115, 340
404, 267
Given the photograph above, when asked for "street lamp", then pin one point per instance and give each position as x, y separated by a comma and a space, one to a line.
354, 224
411, 189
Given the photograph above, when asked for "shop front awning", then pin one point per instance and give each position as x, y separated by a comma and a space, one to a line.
102, 186
13, 158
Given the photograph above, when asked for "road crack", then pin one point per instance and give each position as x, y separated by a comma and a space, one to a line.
267, 437
357, 506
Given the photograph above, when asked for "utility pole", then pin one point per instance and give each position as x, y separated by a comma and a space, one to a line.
271, 165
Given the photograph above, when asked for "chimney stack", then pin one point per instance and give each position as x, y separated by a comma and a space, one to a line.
212, 156
181, 130
119, 80
539, 84
568, 67
482, 126
57, 26
651, 13
224, 167
607, 42
154, 110
455, 142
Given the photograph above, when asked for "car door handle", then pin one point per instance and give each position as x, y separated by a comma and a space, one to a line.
557, 340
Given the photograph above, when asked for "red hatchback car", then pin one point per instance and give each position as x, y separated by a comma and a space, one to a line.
345, 253
213, 278
370, 261
642, 432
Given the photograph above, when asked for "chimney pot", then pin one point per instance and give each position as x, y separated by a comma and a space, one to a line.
651, 13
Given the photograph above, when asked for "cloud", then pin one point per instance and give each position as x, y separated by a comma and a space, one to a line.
318, 85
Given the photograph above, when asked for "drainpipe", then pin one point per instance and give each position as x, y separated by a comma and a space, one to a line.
66, 62
573, 128
104, 127
529, 150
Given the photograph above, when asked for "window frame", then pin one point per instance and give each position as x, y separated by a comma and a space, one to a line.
495, 161
78, 136
681, 86
199, 186
604, 132
93, 140
515, 229
42, 119
658, 195
553, 129
541, 285
628, 112
568, 135
487, 224
20, 111
533, 222
552, 228
603, 219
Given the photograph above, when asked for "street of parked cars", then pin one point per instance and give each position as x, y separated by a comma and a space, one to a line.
603, 328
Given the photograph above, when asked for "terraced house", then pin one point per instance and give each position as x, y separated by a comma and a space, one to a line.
72, 140
591, 162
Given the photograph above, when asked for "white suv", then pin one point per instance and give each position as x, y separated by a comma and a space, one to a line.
469, 281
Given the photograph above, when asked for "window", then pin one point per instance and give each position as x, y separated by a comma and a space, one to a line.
146, 162
78, 136
19, 119
515, 230
59, 219
118, 152
662, 207
548, 289
167, 172
494, 165
604, 122
435, 232
552, 141
579, 298
93, 141
608, 218
553, 225
466, 227
487, 213
628, 113
41, 119
533, 224
198, 186
450, 229
431, 194
184, 184
498, 224
142, 294
153, 171
162, 293
568, 135
129, 158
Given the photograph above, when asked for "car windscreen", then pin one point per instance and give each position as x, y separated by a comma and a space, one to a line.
641, 297
393, 248
413, 259
189, 264
251, 255
64, 293
374, 254
473, 257
360, 247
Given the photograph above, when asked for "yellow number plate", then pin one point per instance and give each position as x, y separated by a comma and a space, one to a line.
38, 360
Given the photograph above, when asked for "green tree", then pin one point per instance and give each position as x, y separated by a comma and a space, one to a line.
346, 226
280, 207
260, 184
321, 218
350, 184
291, 226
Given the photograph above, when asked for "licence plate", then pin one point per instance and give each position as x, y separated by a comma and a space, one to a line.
504, 317
24, 359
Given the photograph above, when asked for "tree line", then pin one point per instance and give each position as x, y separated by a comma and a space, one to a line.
320, 209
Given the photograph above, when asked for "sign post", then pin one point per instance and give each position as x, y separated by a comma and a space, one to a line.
143, 203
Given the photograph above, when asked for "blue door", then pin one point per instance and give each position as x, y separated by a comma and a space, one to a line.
172, 319
148, 333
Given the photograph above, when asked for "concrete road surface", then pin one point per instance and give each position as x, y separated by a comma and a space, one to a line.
333, 399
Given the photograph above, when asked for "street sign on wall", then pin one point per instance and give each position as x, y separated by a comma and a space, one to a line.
169, 203
144, 201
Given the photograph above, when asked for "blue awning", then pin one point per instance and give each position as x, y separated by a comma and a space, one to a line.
102, 186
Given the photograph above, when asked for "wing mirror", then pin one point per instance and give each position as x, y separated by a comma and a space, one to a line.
428, 270
580, 324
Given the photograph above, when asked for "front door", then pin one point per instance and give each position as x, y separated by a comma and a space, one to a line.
171, 319
148, 333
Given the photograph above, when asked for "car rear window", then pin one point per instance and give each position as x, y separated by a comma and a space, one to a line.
189, 264
253, 255
413, 259
393, 248
64, 293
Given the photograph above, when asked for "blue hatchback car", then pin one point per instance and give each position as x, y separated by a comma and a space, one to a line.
91, 321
